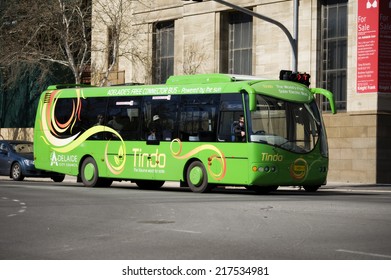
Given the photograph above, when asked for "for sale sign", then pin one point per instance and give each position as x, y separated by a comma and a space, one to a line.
373, 46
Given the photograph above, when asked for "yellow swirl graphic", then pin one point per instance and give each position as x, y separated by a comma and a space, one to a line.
52, 128
219, 157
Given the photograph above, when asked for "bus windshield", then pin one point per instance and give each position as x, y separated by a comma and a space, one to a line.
291, 126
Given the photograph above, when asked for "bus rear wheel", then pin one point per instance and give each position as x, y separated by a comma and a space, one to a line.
90, 175
197, 177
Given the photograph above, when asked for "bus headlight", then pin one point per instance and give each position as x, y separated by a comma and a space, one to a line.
266, 169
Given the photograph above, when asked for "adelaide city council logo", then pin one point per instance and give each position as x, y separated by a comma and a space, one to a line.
299, 169
62, 160
53, 159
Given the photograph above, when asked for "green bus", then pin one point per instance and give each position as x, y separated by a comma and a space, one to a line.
203, 130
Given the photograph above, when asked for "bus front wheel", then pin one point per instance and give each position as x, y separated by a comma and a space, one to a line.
90, 175
197, 178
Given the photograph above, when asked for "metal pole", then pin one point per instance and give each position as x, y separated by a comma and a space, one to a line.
292, 40
296, 4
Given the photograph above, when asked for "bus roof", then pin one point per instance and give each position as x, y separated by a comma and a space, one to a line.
203, 84
210, 78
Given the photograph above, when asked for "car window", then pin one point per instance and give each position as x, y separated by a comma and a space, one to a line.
24, 148
3, 147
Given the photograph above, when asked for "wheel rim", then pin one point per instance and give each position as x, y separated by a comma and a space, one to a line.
196, 176
89, 171
16, 171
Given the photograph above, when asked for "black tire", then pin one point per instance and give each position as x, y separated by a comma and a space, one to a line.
197, 177
58, 178
149, 184
311, 188
89, 174
16, 172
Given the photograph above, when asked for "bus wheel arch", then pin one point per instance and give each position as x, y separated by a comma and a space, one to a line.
196, 176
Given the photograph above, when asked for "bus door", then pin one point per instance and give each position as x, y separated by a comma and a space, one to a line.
159, 126
123, 122
234, 148
231, 109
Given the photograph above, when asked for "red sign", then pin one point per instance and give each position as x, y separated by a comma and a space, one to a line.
373, 46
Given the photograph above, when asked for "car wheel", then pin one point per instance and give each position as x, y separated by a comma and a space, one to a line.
58, 178
16, 172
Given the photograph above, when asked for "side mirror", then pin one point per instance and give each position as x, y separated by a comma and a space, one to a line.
328, 94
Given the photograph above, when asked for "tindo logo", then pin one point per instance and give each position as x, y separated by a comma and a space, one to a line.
270, 157
62, 160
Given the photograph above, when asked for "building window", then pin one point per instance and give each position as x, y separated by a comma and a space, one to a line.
334, 38
236, 43
112, 41
163, 51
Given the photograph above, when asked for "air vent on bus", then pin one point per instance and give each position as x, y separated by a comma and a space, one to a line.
47, 97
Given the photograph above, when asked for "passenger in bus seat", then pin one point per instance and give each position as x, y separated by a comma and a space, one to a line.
115, 123
240, 130
155, 129
99, 120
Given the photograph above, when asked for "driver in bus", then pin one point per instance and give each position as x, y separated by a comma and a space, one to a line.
240, 130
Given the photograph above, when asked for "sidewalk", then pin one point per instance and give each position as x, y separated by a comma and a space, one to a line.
357, 186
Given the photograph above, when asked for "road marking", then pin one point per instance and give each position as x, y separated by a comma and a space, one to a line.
185, 231
22, 205
364, 253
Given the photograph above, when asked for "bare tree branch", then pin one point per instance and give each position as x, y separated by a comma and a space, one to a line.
40, 30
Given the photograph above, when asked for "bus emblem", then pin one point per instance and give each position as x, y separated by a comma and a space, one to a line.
299, 169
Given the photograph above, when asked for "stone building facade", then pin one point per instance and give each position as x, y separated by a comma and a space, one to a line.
343, 44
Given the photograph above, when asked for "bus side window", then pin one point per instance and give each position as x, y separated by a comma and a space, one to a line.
198, 117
